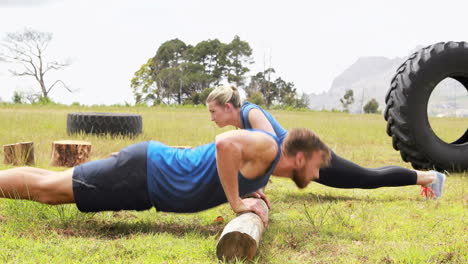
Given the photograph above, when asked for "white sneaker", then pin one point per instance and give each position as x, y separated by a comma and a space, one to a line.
435, 189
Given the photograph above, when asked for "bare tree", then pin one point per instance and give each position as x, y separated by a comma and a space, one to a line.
27, 49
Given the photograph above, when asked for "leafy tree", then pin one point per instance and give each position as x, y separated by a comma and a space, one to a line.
194, 78
371, 106
303, 101
254, 84
17, 98
199, 98
169, 55
261, 83
167, 69
178, 71
204, 94
170, 80
286, 92
209, 55
238, 55
143, 84
256, 98
275, 93
269, 89
347, 100
28, 50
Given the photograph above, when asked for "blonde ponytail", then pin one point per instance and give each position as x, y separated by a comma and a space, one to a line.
225, 94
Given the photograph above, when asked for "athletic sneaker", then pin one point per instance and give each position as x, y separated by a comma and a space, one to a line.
435, 189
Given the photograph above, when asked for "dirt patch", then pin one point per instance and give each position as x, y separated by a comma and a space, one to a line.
70, 232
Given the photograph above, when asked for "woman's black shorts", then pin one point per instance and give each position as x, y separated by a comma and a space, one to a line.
113, 184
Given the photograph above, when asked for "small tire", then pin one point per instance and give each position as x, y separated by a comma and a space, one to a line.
406, 107
104, 123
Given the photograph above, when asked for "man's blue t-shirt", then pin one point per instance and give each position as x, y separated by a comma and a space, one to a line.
187, 180
244, 115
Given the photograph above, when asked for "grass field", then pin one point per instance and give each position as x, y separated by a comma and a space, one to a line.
316, 225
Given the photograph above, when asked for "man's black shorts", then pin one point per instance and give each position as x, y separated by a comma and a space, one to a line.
115, 183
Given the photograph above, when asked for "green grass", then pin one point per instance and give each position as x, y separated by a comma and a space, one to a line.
315, 225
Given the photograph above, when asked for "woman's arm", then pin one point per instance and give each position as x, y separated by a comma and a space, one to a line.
259, 121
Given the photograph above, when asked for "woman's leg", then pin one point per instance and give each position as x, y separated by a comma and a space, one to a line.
343, 173
36, 184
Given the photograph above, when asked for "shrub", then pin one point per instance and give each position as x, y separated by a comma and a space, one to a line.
371, 106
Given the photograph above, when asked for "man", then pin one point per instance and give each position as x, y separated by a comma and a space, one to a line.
150, 174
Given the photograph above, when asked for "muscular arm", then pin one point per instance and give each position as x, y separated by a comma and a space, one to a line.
259, 121
228, 161
240, 149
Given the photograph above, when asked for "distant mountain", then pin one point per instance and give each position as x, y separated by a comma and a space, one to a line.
369, 77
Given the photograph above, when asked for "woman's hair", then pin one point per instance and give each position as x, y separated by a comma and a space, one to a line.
225, 94
306, 141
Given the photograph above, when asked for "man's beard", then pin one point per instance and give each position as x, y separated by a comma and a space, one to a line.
300, 183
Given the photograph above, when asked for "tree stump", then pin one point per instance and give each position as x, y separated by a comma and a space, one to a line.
70, 153
19, 153
241, 237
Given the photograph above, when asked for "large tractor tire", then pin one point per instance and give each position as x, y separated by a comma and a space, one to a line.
407, 100
104, 123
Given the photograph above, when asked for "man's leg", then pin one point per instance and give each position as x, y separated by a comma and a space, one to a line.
38, 185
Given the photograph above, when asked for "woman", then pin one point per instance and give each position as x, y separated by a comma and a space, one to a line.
225, 108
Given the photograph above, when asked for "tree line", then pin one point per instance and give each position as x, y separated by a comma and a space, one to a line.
180, 73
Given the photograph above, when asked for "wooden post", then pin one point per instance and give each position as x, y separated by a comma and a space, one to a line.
19, 154
70, 153
241, 237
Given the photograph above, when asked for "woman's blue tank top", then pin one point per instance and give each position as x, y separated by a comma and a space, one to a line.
247, 106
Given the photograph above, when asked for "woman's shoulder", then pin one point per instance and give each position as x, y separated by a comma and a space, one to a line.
248, 105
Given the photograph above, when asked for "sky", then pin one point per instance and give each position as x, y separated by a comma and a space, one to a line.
308, 43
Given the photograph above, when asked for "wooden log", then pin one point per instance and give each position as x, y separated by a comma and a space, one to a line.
19, 153
241, 237
70, 153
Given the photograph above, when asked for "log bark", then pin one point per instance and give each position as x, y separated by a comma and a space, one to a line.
241, 237
70, 153
19, 153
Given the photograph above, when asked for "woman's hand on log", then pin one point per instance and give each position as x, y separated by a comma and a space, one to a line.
253, 205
